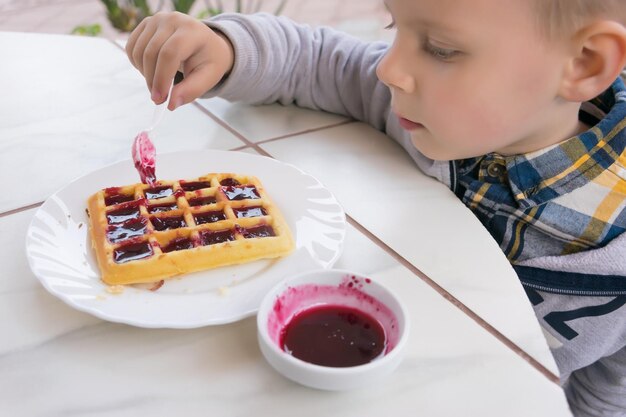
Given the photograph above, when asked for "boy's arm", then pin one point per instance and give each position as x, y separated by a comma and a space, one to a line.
264, 59
600, 388
277, 60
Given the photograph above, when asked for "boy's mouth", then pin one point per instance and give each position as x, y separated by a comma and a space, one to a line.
409, 124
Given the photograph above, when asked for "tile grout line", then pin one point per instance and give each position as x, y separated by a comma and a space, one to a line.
20, 209
456, 302
116, 44
234, 132
302, 132
452, 299
256, 145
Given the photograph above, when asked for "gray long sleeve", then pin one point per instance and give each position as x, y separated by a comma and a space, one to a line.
277, 60
588, 398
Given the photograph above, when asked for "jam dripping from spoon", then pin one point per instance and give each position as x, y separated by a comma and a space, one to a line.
144, 158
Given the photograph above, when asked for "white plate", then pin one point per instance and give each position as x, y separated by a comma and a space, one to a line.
59, 249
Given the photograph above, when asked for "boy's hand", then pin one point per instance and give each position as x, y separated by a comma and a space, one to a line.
168, 42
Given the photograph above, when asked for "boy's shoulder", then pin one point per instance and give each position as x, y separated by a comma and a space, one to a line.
559, 214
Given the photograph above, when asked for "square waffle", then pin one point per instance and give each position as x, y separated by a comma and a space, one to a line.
145, 234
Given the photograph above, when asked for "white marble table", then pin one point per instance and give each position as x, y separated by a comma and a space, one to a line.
71, 105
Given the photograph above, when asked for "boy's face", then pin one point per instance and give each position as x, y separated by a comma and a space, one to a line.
469, 77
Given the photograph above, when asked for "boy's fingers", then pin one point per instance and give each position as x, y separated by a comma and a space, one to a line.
168, 62
197, 82
140, 46
151, 60
161, 86
132, 40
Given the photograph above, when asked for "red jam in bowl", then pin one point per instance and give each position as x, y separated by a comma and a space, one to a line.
335, 326
335, 336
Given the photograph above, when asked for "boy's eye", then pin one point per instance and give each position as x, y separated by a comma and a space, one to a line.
391, 25
442, 54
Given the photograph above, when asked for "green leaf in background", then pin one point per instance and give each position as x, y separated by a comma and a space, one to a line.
206, 13
183, 6
87, 30
125, 15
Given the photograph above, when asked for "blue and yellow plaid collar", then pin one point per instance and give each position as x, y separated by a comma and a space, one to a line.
541, 176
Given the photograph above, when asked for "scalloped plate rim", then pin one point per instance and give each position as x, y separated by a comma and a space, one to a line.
168, 161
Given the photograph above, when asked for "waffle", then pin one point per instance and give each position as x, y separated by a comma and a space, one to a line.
144, 234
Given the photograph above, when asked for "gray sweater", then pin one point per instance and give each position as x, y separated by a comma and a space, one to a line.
277, 60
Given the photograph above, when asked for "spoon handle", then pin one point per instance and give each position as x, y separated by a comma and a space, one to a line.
159, 110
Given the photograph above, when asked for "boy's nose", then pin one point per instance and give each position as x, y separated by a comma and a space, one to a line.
390, 71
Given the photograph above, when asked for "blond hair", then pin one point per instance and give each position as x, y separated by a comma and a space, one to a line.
559, 17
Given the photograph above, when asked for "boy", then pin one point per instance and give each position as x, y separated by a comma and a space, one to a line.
517, 105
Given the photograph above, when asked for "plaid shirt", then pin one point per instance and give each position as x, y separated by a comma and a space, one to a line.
563, 199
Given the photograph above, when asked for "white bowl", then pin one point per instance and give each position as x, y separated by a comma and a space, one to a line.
333, 288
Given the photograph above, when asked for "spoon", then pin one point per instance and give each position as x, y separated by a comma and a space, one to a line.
143, 150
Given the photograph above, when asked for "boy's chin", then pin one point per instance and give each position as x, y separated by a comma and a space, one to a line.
437, 153
434, 153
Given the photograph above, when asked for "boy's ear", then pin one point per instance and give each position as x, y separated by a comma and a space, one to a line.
599, 56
